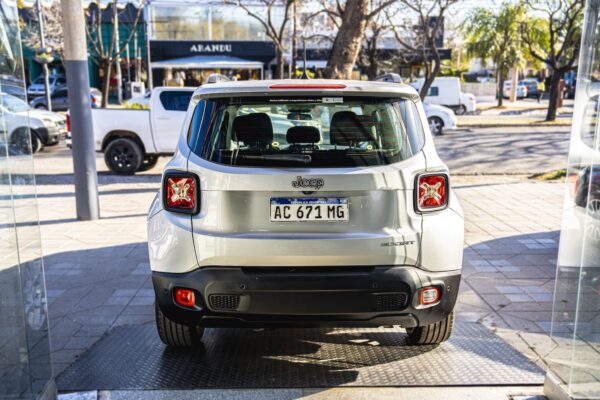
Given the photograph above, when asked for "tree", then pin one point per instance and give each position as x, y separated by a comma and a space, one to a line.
496, 36
421, 39
554, 40
353, 17
268, 19
105, 56
370, 57
53, 31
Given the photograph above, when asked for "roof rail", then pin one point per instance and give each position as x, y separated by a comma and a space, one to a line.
216, 78
391, 77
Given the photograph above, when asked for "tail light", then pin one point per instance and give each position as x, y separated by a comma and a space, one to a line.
429, 295
181, 192
185, 297
68, 123
93, 100
432, 191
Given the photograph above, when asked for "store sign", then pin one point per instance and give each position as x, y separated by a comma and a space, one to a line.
263, 51
211, 48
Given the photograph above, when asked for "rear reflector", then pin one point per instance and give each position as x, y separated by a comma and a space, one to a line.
308, 86
432, 192
429, 295
185, 297
181, 192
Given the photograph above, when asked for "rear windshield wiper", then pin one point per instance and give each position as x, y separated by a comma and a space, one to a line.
301, 158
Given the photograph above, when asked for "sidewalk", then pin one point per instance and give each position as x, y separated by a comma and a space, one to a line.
525, 112
98, 276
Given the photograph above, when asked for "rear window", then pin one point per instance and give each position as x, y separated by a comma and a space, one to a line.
306, 132
173, 100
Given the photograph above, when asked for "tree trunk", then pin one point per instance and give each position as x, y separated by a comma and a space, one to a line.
346, 45
106, 83
280, 64
429, 78
553, 101
500, 83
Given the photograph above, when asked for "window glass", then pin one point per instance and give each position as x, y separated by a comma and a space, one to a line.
434, 91
306, 132
175, 100
13, 104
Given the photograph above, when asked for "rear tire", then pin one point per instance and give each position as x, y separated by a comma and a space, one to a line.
435, 333
461, 110
123, 156
175, 334
436, 125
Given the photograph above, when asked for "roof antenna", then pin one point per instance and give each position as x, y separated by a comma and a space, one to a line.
304, 74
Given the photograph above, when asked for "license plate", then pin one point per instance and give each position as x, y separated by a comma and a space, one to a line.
309, 209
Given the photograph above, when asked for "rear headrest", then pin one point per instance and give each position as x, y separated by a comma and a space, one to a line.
347, 128
303, 134
253, 128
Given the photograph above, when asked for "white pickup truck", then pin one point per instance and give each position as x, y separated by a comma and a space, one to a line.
132, 140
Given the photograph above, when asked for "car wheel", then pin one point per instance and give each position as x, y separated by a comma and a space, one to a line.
148, 163
461, 110
41, 107
436, 125
24, 141
435, 333
123, 156
175, 334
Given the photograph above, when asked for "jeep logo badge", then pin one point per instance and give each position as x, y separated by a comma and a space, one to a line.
301, 182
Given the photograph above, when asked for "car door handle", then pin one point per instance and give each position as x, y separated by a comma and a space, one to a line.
163, 118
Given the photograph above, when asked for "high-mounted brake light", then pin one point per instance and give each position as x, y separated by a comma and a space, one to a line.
431, 192
308, 86
181, 192
185, 297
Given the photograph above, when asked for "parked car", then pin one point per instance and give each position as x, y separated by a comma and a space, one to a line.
348, 221
445, 91
532, 87
132, 140
37, 86
60, 100
439, 118
521, 89
24, 124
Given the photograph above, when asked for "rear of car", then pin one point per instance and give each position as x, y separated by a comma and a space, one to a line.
305, 203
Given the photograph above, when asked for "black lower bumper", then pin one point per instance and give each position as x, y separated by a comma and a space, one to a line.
355, 296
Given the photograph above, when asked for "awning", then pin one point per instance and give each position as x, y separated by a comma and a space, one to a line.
208, 62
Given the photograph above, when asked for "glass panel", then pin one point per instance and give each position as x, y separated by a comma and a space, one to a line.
575, 355
180, 22
208, 22
25, 368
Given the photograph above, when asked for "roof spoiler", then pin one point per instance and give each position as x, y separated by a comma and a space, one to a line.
391, 77
216, 78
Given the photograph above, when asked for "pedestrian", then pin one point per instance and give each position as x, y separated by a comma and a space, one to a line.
541, 88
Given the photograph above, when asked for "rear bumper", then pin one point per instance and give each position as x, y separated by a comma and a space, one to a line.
355, 296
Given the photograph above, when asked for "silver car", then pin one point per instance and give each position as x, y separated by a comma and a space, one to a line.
343, 216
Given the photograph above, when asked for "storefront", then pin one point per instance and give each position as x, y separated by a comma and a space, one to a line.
190, 40
188, 63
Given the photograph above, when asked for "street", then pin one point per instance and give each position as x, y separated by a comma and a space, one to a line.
505, 150
471, 151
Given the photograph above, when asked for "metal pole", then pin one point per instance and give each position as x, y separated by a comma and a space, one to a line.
78, 80
118, 73
148, 33
45, 63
